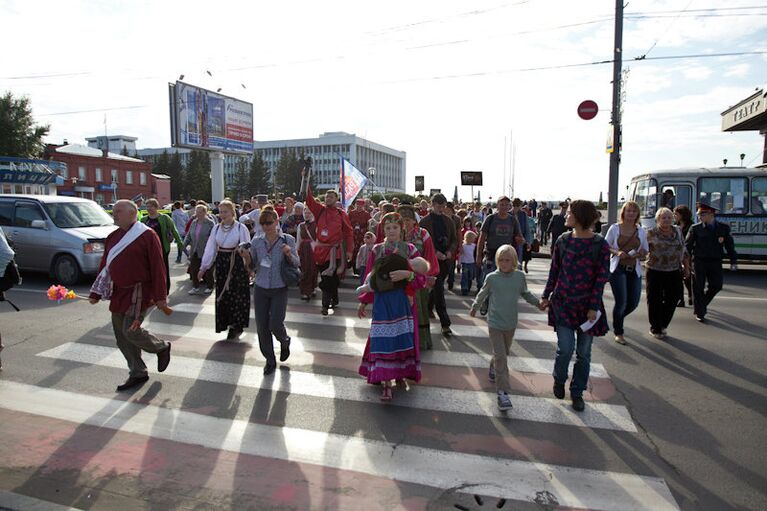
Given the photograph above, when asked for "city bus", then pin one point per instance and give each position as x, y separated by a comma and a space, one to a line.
740, 195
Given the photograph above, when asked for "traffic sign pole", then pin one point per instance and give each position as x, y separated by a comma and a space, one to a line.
615, 156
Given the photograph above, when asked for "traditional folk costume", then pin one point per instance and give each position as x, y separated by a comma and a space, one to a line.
359, 219
232, 289
420, 238
392, 351
307, 236
132, 278
334, 239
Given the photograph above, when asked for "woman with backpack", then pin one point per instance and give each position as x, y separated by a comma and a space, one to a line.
667, 263
580, 268
268, 253
628, 247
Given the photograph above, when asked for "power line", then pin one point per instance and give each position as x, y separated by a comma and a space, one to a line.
666, 31
95, 110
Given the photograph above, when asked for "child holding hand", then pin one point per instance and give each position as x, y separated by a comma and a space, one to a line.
503, 287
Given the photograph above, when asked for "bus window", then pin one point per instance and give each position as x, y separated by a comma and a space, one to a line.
646, 195
759, 195
676, 195
727, 194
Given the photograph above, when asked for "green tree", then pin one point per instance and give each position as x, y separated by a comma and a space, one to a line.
198, 176
287, 174
239, 188
174, 169
19, 136
161, 164
258, 176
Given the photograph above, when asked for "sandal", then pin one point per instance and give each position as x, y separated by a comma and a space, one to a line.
386, 395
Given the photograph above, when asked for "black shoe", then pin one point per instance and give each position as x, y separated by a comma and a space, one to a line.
701, 319
680, 303
269, 369
526, 269
578, 403
233, 334
284, 350
446, 331
334, 303
133, 381
163, 359
559, 390
483, 309
305, 298
324, 311
450, 287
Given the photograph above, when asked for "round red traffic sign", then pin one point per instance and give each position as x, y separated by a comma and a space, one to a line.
587, 110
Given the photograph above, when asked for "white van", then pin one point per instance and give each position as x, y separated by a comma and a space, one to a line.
62, 236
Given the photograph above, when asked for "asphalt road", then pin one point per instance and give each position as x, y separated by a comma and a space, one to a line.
674, 423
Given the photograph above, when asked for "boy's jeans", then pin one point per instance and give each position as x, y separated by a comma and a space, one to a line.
468, 274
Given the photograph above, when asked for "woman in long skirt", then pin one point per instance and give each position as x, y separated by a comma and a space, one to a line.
392, 351
232, 289
420, 238
307, 236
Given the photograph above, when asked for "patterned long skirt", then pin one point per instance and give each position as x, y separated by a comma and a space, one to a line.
308, 282
234, 308
392, 350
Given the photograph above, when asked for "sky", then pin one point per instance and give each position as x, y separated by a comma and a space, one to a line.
453, 83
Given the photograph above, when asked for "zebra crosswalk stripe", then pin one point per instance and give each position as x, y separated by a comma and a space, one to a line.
528, 408
503, 478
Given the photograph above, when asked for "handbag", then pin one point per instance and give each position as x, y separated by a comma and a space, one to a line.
290, 274
535, 246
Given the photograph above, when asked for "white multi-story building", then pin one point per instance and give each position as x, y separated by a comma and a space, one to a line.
383, 165
114, 143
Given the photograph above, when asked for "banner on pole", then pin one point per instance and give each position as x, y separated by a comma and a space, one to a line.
352, 182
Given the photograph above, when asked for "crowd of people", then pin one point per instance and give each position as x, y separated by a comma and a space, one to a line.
405, 257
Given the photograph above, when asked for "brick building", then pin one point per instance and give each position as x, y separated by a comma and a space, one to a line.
105, 177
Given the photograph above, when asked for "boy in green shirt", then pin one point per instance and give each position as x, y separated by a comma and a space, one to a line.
503, 287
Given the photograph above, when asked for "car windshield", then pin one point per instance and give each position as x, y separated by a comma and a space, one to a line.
77, 214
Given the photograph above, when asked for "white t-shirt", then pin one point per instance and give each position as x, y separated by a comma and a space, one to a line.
467, 253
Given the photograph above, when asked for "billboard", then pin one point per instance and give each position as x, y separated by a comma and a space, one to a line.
471, 178
418, 183
434, 191
202, 119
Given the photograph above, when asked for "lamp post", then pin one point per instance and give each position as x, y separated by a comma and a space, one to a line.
742, 157
372, 176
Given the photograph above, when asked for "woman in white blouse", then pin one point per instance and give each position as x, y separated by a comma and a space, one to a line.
232, 290
628, 247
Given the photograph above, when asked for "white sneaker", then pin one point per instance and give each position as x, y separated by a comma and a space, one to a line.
194, 291
208, 291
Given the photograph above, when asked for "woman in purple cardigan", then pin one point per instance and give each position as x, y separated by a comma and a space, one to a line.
580, 268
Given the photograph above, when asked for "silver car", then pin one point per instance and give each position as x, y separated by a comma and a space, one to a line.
63, 236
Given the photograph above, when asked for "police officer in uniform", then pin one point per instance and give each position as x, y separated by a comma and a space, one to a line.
707, 241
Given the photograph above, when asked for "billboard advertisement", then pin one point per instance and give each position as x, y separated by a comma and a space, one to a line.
202, 119
419, 183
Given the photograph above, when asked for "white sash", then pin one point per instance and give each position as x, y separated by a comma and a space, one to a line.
103, 284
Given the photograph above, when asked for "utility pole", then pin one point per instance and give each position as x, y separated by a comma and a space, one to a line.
615, 156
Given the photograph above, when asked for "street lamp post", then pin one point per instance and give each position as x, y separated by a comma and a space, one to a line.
372, 176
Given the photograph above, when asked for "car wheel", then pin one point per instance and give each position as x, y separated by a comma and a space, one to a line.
66, 270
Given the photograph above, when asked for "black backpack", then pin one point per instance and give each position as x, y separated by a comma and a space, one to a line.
11, 278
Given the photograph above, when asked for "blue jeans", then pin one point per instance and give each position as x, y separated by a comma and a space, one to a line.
566, 343
488, 267
468, 274
627, 290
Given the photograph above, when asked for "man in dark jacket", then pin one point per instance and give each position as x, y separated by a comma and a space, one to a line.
442, 231
557, 224
707, 241
544, 218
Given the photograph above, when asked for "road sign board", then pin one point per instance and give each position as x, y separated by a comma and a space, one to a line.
587, 110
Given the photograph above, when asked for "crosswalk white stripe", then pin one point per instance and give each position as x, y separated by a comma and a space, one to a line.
449, 295
528, 316
521, 334
511, 479
469, 402
355, 347
302, 350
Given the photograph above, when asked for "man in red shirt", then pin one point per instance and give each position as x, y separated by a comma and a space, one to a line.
138, 278
359, 219
335, 243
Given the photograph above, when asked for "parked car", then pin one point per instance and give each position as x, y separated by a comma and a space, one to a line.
63, 236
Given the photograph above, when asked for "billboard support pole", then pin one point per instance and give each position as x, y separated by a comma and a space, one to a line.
217, 176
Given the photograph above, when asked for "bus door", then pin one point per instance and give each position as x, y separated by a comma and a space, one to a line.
730, 196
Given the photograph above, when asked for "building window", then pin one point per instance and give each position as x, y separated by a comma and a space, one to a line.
99, 177
128, 177
142, 178
65, 172
114, 176
100, 198
81, 173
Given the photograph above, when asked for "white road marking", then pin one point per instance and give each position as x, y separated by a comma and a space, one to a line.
528, 408
511, 479
521, 334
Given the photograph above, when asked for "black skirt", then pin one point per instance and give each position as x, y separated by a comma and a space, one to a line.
233, 310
